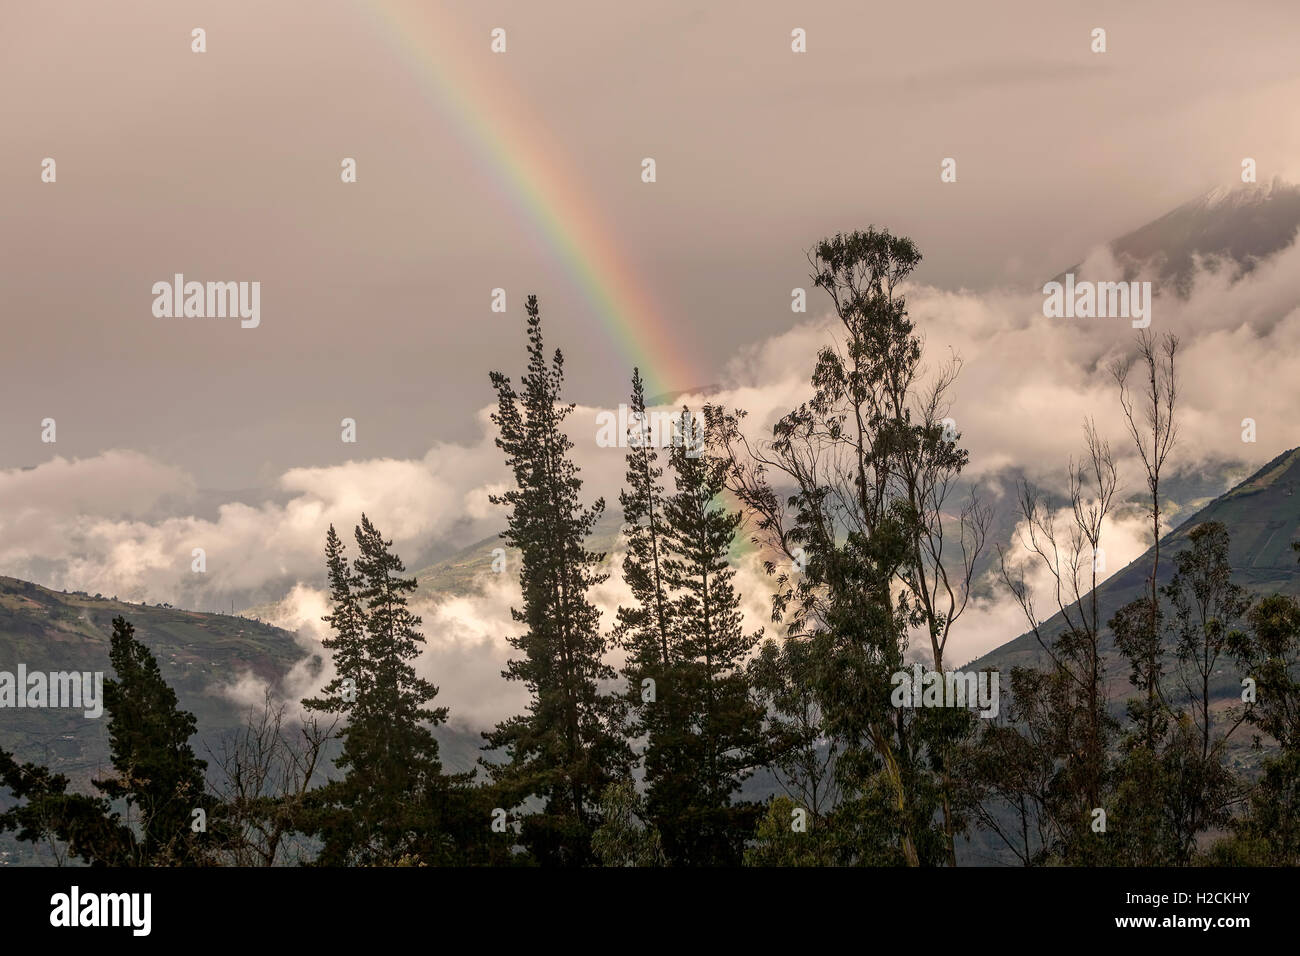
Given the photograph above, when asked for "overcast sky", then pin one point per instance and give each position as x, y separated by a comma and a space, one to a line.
522, 171
375, 295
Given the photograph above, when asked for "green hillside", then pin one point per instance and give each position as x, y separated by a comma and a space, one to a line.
197, 652
55, 631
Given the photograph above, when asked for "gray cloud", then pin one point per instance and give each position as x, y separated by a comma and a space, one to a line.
375, 297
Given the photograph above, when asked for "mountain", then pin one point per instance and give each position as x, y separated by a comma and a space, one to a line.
198, 653
1183, 493
463, 573
54, 631
1262, 515
1236, 227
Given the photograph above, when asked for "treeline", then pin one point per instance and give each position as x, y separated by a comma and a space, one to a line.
873, 562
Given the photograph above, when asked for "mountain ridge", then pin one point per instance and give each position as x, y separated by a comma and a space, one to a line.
1259, 552
1239, 225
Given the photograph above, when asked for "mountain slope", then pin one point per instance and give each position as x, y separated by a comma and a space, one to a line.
1234, 227
1262, 515
1241, 225
56, 631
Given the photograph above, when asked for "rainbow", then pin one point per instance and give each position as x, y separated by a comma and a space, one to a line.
493, 120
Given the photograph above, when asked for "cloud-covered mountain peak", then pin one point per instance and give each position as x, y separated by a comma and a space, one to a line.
1237, 225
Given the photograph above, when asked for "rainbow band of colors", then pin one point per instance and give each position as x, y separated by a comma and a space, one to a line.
456, 70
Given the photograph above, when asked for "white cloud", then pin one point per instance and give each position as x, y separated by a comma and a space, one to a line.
123, 523
990, 622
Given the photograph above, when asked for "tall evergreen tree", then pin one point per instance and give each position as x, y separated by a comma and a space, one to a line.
566, 748
714, 738
380, 811
643, 628
347, 641
156, 775
659, 712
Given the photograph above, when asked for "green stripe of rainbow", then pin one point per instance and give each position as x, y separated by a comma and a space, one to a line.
492, 118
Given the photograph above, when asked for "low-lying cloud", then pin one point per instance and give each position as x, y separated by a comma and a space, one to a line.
121, 523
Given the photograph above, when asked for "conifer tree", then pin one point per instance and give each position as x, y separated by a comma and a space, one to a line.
347, 642
156, 776
713, 738
643, 628
566, 748
157, 773
380, 812
659, 710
